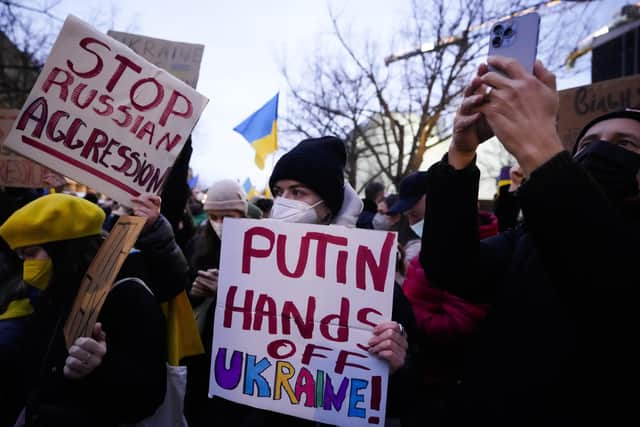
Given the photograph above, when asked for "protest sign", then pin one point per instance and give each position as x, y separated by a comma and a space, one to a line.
580, 105
105, 117
97, 281
296, 306
18, 171
180, 59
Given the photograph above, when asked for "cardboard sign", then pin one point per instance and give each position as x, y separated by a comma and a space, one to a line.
99, 278
296, 306
580, 105
105, 117
18, 171
180, 59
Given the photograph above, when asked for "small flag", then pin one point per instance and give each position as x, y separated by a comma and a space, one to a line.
249, 189
504, 178
261, 130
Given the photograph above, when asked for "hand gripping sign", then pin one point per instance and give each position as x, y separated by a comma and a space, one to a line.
104, 116
296, 306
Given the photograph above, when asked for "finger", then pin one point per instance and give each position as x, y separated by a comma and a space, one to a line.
78, 353
496, 81
71, 373
207, 275
381, 327
544, 75
75, 364
469, 103
98, 334
509, 66
465, 122
94, 347
383, 346
389, 334
473, 86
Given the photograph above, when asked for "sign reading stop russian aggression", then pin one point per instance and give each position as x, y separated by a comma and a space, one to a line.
104, 116
296, 306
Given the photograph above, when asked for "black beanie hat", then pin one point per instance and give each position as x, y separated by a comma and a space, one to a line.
318, 163
626, 113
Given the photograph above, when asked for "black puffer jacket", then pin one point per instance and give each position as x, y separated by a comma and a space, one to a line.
555, 347
129, 384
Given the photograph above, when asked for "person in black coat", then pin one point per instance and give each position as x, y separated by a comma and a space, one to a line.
555, 347
116, 376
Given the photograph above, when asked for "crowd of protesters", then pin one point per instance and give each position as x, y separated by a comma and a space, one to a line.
521, 316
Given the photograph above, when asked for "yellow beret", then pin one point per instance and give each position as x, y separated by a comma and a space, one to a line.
50, 219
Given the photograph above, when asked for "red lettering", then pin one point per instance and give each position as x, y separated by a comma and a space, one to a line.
107, 151
341, 325
303, 255
341, 362
97, 140
169, 142
156, 101
362, 318
126, 120
365, 258
274, 349
72, 132
126, 163
305, 327
341, 267
53, 123
309, 352
84, 43
248, 251
321, 256
148, 129
124, 64
64, 84
37, 111
169, 109
307, 385
106, 101
270, 311
246, 310
75, 96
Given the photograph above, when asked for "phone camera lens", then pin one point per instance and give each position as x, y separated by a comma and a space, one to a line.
496, 42
508, 32
498, 29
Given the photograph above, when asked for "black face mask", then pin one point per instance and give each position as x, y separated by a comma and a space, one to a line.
613, 167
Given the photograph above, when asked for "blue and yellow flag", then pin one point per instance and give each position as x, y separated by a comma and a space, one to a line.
248, 188
261, 130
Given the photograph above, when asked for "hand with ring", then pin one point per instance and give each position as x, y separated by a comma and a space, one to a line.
86, 354
470, 127
389, 342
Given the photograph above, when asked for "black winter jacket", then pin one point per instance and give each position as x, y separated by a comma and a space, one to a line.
555, 347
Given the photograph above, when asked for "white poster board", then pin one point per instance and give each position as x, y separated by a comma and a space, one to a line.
180, 59
105, 117
296, 306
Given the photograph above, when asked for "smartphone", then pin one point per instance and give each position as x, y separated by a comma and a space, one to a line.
516, 38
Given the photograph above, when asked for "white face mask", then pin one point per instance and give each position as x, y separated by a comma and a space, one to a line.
417, 227
217, 227
381, 222
290, 210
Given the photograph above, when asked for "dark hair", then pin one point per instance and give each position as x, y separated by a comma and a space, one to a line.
11, 285
372, 190
71, 260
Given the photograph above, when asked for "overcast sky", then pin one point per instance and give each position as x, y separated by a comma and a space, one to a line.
244, 41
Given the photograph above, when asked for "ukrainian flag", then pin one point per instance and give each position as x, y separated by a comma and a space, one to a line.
261, 130
248, 188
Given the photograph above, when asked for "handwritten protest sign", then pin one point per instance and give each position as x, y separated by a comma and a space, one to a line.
18, 171
296, 306
580, 105
98, 279
180, 59
105, 117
